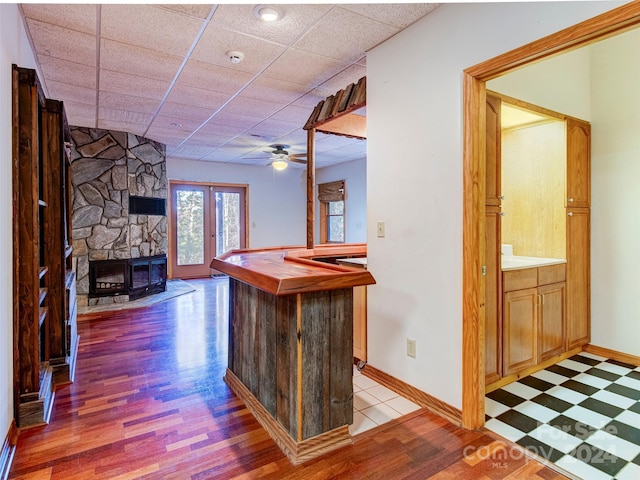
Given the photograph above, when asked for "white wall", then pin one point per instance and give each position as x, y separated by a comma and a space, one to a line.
414, 115
14, 48
615, 196
277, 199
354, 174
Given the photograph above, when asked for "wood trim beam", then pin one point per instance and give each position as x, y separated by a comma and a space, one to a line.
350, 125
311, 186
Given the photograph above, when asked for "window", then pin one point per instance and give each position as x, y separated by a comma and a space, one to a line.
331, 196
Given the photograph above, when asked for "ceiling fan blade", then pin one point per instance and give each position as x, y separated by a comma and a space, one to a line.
297, 160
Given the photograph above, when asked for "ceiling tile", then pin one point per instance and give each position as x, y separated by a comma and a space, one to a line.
304, 68
124, 116
191, 152
79, 110
63, 43
178, 112
171, 123
216, 42
198, 97
400, 15
79, 121
166, 135
213, 77
295, 20
146, 26
344, 35
193, 10
133, 85
136, 104
81, 18
274, 90
121, 127
275, 128
123, 58
62, 91
294, 114
261, 108
236, 120
58, 69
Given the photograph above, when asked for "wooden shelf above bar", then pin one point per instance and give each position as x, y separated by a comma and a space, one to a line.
290, 270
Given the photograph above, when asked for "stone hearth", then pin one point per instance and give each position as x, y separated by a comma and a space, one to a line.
107, 167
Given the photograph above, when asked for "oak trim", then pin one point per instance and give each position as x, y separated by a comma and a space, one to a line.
613, 22
433, 404
613, 354
296, 452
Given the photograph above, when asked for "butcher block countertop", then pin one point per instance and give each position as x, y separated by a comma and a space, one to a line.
295, 269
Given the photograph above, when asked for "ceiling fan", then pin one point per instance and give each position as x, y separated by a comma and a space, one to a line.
280, 157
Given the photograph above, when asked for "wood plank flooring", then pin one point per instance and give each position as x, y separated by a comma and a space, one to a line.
149, 402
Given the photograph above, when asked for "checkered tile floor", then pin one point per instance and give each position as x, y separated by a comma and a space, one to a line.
582, 414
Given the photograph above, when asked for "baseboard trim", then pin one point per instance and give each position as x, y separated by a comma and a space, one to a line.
613, 354
431, 403
8, 450
296, 452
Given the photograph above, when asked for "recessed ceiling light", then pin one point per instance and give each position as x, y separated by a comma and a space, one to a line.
266, 14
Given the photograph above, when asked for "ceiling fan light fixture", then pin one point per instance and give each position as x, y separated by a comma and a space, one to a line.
266, 14
280, 162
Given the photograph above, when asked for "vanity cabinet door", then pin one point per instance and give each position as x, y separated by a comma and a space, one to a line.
551, 321
520, 340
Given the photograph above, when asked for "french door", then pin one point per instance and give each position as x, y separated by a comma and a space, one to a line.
206, 221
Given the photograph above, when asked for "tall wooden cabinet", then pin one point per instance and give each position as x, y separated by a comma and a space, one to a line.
520, 330
43, 355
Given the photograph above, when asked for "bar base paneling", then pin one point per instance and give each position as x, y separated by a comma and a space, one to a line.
296, 452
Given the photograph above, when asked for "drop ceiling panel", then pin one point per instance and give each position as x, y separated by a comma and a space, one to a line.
124, 58
400, 15
121, 126
229, 119
344, 35
295, 20
172, 123
135, 86
294, 114
63, 43
58, 70
59, 90
80, 18
125, 116
179, 112
274, 90
304, 68
198, 97
213, 77
197, 11
136, 104
216, 42
260, 108
147, 27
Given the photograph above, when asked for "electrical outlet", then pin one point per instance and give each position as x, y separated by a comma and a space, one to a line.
411, 348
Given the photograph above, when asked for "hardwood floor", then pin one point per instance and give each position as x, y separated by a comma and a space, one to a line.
149, 402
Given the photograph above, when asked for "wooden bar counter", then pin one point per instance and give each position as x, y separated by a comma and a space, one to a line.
291, 342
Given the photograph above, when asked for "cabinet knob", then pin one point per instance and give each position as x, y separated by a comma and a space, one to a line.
570, 214
501, 197
502, 214
570, 199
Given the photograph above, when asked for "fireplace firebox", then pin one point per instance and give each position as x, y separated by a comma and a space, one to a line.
135, 277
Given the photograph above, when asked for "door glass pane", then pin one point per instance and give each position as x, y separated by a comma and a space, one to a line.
227, 221
336, 229
336, 208
190, 227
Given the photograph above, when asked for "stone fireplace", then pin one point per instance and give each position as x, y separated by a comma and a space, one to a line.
119, 215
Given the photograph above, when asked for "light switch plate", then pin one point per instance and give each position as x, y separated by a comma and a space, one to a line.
380, 229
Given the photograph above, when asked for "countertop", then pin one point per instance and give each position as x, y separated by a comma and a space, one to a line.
290, 270
516, 262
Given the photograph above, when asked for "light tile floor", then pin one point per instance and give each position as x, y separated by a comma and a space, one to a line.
375, 404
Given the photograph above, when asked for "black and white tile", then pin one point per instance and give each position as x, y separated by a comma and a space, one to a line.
582, 414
